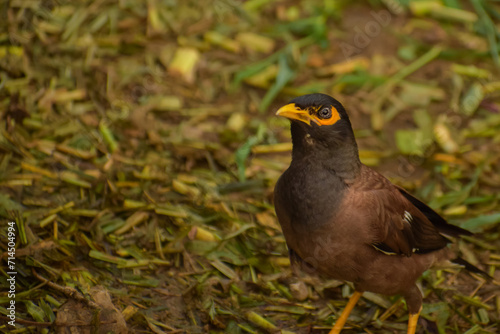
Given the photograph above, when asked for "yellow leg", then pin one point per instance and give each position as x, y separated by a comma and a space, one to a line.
412, 322
345, 313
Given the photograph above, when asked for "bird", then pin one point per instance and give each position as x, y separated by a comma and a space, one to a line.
343, 220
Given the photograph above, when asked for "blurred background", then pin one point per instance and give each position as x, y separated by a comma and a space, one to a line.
139, 151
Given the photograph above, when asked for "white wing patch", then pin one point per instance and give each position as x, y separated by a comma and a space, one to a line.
408, 217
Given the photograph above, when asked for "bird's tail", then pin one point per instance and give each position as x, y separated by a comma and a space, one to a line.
470, 267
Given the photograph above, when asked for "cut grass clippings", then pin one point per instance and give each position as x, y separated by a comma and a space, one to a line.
139, 150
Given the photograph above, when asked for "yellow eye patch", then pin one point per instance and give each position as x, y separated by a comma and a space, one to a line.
325, 115
319, 115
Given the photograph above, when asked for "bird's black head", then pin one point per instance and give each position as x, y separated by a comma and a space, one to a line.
318, 119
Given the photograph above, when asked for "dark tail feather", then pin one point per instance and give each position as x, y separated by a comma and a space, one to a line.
470, 267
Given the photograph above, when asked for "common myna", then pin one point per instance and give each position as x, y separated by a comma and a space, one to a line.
345, 220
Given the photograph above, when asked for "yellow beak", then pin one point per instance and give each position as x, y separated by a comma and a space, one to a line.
291, 111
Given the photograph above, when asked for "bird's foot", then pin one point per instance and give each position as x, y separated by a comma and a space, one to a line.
339, 324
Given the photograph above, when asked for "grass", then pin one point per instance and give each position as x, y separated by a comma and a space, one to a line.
140, 151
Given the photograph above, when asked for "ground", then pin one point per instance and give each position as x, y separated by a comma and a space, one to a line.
140, 151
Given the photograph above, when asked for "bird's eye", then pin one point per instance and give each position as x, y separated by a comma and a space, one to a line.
325, 113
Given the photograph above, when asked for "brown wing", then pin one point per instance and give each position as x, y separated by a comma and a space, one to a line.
397, 225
